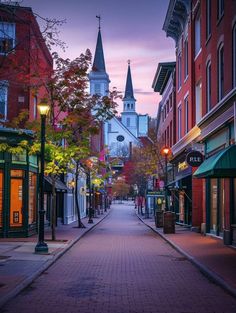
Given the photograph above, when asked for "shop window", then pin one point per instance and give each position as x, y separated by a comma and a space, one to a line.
1, 198
33, 160
32, 197
19, 157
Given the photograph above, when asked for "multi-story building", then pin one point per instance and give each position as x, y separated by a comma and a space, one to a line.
164, 83
180, 22
204, 33
217, 120
23, 54
25, 66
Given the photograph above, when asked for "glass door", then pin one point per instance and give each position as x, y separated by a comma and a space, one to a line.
213, 206
16, 199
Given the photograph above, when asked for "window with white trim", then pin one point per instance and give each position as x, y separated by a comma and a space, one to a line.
198, 101
220, 67
208, 86
186, 58
35, 106
179, 121
220, 8
3, 100
234, 55
197, 34
179, 71
186, 114
208, 18
7, 37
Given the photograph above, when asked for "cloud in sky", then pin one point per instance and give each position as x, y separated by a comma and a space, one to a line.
131, 29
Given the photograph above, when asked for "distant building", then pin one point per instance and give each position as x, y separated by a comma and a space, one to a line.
117, 135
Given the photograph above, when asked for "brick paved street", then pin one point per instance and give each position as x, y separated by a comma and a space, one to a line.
122, 267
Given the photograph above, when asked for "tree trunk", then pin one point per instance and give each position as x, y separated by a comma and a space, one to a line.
53, 209
80, 224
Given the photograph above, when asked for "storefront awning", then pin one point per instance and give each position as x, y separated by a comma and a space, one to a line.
220, 165
59, 185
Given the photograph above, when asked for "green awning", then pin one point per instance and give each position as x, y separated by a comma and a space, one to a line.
220, 165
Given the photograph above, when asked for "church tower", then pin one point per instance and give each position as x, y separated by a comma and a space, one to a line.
129, 116
98, 78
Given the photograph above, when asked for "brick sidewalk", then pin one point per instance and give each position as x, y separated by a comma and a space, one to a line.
19, 265
208, 253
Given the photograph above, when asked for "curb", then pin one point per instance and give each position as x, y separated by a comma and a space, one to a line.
27, 281
212, 276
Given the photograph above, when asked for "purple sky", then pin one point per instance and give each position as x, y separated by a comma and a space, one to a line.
131, 29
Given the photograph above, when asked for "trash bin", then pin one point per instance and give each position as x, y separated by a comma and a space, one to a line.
168, 222
159, 218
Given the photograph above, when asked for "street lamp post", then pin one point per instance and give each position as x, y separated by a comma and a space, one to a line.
42, 246
89, 164
166, 151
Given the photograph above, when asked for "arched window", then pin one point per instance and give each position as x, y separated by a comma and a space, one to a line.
35, 104
220, 67
208, 86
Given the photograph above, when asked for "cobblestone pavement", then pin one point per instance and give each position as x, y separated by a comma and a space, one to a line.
122, 266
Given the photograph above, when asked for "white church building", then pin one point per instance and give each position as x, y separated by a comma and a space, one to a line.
120, 133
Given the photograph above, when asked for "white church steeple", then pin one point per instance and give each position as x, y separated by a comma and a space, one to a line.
129, 116
98, 78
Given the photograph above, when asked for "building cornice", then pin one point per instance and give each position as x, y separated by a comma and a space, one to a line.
176, 18
185, 141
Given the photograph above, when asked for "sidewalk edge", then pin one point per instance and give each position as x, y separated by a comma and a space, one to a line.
203, 269
26, 282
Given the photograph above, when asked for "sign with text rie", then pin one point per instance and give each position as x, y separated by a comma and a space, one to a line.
194, 158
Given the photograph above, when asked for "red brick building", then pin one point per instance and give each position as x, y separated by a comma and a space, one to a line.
25, 62
205, 37
179, 24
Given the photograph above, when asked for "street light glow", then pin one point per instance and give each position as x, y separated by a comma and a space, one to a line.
43, 108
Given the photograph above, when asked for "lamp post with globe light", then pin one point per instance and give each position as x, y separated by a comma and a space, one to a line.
165, 151
42, 246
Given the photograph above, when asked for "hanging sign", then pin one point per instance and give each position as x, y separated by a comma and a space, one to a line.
194, 158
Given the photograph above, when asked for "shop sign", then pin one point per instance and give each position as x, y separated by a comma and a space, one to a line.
182, 166
158, 194
194, 158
